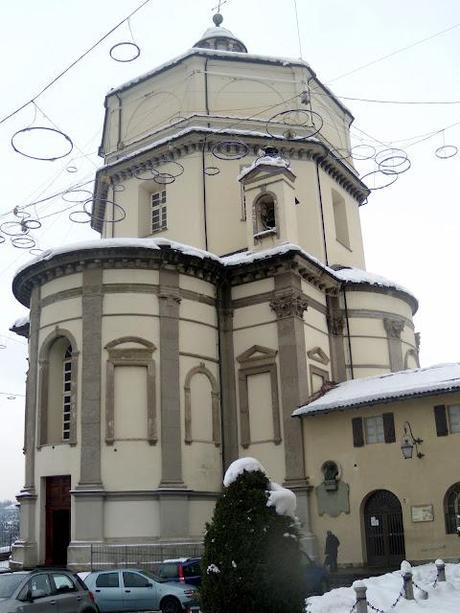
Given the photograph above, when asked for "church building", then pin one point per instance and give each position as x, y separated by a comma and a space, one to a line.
227, 289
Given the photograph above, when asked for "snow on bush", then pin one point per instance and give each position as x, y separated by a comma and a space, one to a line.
237, 468
282, 499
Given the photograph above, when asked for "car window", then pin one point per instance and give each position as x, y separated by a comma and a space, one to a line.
108, 580
63, 583
192, 570
135, 580
39, 586
168, 571
8, 584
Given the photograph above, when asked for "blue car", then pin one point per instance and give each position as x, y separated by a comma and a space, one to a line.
316, 577
138, 590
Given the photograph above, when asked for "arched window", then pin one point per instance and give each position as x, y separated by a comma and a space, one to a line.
265, 221
58, 376
452, 509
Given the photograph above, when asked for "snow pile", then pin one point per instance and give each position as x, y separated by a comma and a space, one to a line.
282, 499
383, 388
238, 467
383, 591
212, 568
22, 321
265, 160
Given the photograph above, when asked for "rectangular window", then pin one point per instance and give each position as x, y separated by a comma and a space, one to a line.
340, 219
158, 210
374, 429
66, 399
454, 418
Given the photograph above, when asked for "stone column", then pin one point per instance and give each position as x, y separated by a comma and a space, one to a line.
25, 551
393, 328
289, 305
230, 448
88, 495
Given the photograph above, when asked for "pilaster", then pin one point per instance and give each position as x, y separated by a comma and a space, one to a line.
335, 324
393, 328
171, 440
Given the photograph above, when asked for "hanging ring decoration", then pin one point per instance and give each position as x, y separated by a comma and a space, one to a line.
2, 239
80, 217
363, 152
139, 171
178, 168
31, 224
446, 151
131, 47
390, 178
395, 165
117, 216
23, 242
36, 251
118, 187
21, 213
13, 228
296, 124
211, 171
76, 192
164, 178
71, 169
391, 158
68, 142
230, 150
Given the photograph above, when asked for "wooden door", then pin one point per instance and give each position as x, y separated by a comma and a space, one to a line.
57, 520
384, 528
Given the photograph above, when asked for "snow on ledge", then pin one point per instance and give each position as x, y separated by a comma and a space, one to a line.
265, 160
383, 388
356, 275
21, 322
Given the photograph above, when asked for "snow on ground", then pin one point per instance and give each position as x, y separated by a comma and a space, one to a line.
383, 591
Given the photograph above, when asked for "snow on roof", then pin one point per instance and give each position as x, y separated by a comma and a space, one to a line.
441, 378
231, 55
238, 467
356, 275
245, 257
218, 32
265, 160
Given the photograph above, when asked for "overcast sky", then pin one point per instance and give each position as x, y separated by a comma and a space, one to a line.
410, 229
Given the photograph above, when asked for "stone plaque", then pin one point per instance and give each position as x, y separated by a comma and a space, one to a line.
423, 512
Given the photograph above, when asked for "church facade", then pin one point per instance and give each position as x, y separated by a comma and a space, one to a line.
227, 288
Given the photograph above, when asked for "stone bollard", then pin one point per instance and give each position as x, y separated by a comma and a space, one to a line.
406, 572
441, 568
361, 600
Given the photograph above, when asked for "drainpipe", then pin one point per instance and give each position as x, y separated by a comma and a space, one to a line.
119, 122
322, 213
203, 162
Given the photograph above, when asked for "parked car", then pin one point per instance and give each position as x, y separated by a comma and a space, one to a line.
316, 576
184, 570
139, 590
43, 590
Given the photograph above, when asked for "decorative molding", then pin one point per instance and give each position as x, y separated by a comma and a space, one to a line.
417, 341
289, 303
257, 355
393, 327
317, 354
411, 353
216, 434
335, 324
130, 356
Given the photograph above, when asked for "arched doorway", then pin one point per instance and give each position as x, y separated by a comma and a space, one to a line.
384, 528
57, 520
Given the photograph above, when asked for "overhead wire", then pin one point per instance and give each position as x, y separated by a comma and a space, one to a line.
72, 64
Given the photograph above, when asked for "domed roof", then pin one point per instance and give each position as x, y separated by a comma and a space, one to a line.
220, 38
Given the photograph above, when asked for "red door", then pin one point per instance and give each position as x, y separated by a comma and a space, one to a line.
57, 520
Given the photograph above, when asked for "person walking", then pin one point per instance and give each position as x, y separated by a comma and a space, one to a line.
331, 551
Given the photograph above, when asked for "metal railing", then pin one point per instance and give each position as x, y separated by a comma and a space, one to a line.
140, 556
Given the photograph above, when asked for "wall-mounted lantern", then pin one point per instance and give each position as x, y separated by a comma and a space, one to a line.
409, 442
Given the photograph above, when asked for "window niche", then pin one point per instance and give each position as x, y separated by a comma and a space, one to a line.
340, 219
58, 375
130, 403
265, 218
452, 509
254, 362
191, 408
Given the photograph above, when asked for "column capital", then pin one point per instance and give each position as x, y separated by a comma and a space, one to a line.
289, 303
393, 327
